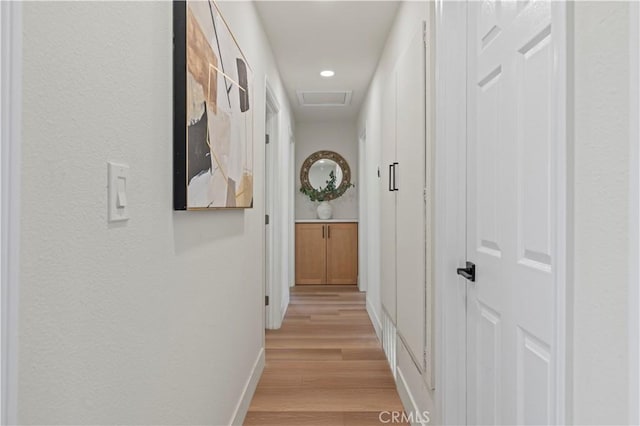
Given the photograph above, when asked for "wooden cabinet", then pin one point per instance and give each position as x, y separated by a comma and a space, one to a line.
327, 253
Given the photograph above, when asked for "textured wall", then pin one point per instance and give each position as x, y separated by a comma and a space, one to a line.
159, 320
337, 136
600, 226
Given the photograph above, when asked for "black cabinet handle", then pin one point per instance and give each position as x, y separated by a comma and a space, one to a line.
395, 186
469, 272
323, 232
328, 231
390, 169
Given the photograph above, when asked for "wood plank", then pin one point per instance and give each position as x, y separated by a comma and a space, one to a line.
304, 354
312, 399
322, 343
369, 418
358, 353
309, 418
314, 418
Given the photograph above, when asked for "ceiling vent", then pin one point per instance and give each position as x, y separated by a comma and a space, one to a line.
330, 98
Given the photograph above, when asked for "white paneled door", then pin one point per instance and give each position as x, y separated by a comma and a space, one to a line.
511, 213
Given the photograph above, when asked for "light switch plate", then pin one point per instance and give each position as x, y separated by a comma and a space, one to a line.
118, 175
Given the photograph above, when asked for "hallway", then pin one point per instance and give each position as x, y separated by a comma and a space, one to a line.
219, 213
325, 366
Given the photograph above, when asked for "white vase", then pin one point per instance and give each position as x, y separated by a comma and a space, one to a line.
324, 210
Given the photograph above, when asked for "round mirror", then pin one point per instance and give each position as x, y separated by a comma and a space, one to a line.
320, 173
317, 170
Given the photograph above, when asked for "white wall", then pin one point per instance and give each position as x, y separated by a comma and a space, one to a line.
337, 136
601, 223
159, 320
408, 21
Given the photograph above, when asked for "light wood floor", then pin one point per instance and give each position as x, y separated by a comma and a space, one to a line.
325, 365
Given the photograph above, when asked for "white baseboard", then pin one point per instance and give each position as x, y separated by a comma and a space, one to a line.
249, 389
407, 399
377, 324
283, 309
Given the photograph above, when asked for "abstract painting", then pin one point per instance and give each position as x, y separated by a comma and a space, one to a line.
213, 123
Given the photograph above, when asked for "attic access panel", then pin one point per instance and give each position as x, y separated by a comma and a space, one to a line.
324, 98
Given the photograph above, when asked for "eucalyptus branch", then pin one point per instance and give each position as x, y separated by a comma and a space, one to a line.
321, 193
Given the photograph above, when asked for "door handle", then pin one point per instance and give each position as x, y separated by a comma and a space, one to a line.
469, 272
323, 232
390, 170
328, 231
395, 187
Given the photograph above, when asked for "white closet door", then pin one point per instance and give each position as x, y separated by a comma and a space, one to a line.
511, 220
411, 214
388, 202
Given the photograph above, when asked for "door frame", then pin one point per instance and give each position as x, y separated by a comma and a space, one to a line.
559, 21
10, 157
291, 250
634, 215
450, 210
273, 314
362, 210
450, 206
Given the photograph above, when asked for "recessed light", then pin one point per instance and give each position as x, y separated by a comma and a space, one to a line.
327, 73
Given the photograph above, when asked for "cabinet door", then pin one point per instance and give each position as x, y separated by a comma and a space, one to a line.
311, 253
342, 253
388, 202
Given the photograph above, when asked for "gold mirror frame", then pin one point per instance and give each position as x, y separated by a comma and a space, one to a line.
326, 155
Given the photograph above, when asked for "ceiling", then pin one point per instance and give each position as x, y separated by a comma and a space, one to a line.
310, 36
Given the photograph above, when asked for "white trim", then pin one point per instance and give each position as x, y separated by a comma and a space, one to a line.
559, 80
634, 215
449, 216
271, 99
407, 399
375, 320
242, 407
284, 306
292, 209
11, 89
429, 207
362, 211
274, 312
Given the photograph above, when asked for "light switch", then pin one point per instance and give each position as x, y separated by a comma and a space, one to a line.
122, 193
118, 175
